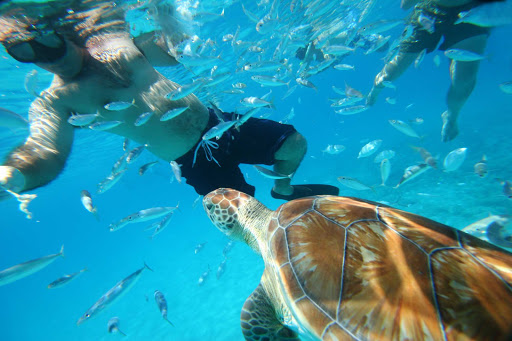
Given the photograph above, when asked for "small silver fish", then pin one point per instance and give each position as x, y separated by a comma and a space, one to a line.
412, 172
229, 246
135, 153
105, 125
385, 154
118, 106
222, 268
204, 276
255, 102
218, 130
426, 156
353, 183
454, 159
333, 149
162, 305
463, 55
31, 82
268, 80
507, 187
196, 201
109, 181
344, 67
79, 120
481, 167
120, 165
404, 128
391, 100
143, 118
271, 174
385, 170
378, 26
25, 269
110, 296
352, 110
306, 83
142, 215
173, 113
419, 59
86, 199
65, 279
176, 170
199, 247
159, 226
369, 149
126, 143
185, 90
113, 326
143, 169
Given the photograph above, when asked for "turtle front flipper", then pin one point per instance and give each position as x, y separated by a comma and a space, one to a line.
259, 321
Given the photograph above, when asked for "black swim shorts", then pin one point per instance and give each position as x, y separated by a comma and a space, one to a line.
255, 143
444, 26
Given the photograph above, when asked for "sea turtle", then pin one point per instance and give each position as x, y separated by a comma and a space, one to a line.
339, 268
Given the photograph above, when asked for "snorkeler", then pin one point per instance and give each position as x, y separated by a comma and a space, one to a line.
431, 21
97, 64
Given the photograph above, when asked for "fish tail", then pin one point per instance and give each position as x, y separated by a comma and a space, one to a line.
146, 266
169, 321
61, 253
95, 213
120, 332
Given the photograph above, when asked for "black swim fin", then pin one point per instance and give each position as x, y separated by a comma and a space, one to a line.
301, 191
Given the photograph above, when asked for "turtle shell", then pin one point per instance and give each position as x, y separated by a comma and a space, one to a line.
354, 269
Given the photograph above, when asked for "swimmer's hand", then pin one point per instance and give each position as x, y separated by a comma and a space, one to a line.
11, 179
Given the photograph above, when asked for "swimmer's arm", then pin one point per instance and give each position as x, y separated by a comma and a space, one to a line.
43, 155
153, 46
406, 4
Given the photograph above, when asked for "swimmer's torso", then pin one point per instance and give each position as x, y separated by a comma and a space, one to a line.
119, 72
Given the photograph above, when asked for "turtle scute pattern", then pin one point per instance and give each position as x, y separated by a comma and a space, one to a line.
354, 269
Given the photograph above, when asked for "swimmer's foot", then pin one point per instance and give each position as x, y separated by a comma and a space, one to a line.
372, 96
450, 129
300, 191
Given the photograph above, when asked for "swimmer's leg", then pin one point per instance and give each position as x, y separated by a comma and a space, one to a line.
287, 159
391, 71
463, 81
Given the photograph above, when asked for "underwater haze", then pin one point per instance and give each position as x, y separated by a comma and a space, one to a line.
211, 311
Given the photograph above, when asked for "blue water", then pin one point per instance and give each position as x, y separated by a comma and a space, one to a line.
30, 311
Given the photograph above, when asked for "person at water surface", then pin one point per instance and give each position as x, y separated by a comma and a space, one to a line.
100, 68
431, 23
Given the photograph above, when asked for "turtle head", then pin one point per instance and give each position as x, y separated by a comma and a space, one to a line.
236, 214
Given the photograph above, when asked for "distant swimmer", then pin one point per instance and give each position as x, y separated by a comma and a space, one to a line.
99, 69
22, 270
162, 305
436, 24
